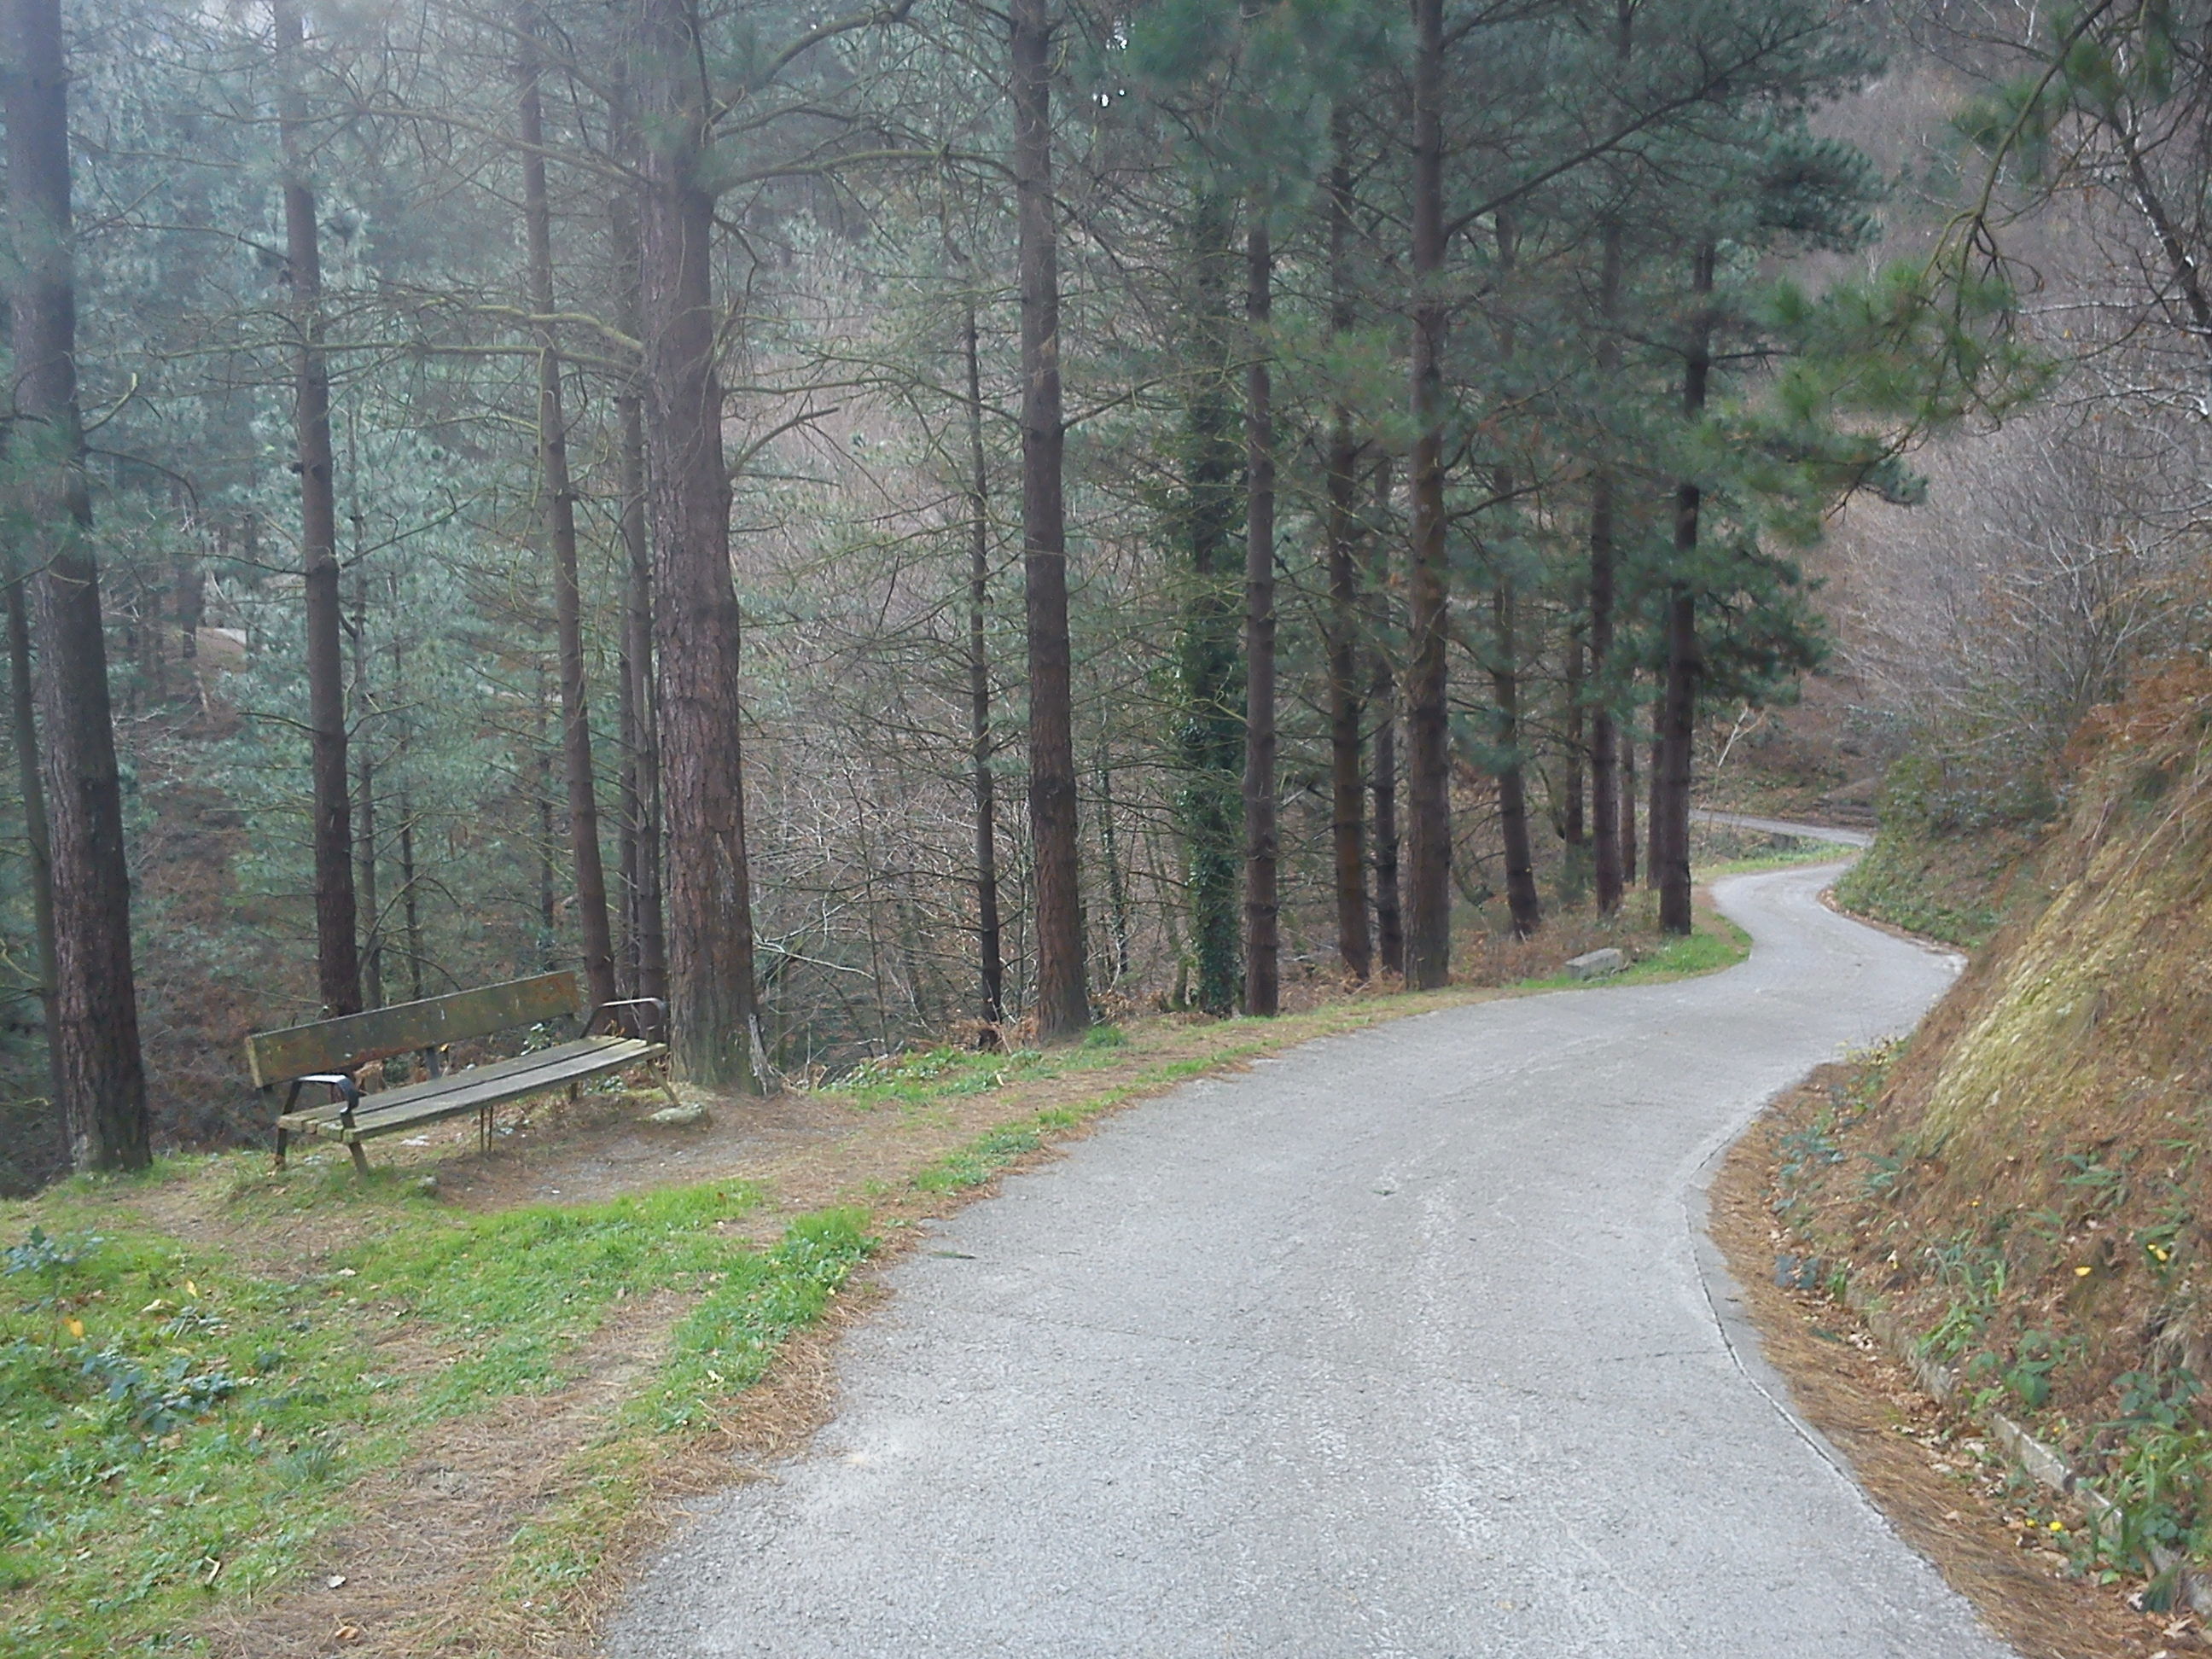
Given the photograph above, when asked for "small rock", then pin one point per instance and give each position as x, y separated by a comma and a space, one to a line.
1596, 965
428, 1186
679, 1117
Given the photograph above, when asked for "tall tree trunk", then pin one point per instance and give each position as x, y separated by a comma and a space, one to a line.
38, 846
1428, 793
541, 795
1574, 821
1521, 901
648, 928
1262, 969
1627, 826
652, 926
92, 1032
24, 731
337, 950
713, 1008
1684, 662
1614, 857
410, 909
1063, 1000
1212, 739
1655, 815
372, 954
990, 953
627, 814
558, 500
1347, 826
1382, 777
1109, 854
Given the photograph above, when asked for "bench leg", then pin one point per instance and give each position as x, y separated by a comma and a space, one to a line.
283, 1136
360, 1157
666, 1067
483, 1129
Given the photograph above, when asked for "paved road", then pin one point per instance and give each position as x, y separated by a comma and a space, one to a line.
1827, 832
1404, 1344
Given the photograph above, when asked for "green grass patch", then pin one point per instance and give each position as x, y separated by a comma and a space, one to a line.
173, 1430
1945, 889
1717, 943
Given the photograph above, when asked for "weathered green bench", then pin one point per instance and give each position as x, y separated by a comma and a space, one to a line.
332, 1053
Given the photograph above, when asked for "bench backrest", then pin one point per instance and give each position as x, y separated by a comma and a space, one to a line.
352, 1041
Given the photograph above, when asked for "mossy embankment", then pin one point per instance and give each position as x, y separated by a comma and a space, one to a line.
2028, 1180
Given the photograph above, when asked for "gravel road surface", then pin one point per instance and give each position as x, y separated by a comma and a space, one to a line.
1408, 1342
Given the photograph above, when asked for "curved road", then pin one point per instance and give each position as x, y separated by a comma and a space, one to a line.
1406, 1343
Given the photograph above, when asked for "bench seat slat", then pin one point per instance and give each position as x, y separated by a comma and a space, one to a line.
476, 1087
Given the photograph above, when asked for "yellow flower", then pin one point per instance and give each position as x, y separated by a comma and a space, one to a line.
76, 1327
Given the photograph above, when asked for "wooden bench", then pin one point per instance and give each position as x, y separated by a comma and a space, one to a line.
332, 1053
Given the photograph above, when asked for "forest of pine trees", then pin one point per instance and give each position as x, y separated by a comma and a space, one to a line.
904, 520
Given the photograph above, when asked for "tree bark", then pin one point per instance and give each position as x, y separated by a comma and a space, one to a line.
557, 498
1347, 824
98, 1073
24, 729
1521, 901
1574, 821
1614, 855
338, 950
1383, 776
410, 909
1428, 794
990, 953
1211, 742
372, 934
648, 928
1063, 1003
38, 846
1627, 826
1606, 800
1655, 818
1262, 989
1684, 662
714, 1006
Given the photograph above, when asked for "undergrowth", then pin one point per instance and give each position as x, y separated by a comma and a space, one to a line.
172, 1428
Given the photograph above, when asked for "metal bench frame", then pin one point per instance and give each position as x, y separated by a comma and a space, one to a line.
332, 1053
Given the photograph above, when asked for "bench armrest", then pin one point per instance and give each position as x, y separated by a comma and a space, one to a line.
630, 1016
341, 1083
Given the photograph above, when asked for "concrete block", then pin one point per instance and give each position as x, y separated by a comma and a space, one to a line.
1596, 965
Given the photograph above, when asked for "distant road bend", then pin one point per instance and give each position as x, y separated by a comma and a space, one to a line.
1408, 1343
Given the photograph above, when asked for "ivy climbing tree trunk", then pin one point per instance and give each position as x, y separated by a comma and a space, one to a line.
713, 1008
337, 949
558, 502
1062, 1004
92, 1036
1261, 967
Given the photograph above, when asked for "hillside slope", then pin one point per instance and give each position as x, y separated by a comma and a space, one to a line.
2026, 1179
